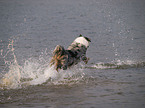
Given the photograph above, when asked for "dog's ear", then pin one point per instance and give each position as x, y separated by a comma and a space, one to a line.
89, 40
80, 35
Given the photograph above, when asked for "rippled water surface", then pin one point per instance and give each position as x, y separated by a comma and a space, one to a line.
113, 78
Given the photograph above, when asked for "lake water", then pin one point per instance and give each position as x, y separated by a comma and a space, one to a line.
113, 78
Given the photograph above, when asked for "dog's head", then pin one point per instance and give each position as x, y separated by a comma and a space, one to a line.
83, 40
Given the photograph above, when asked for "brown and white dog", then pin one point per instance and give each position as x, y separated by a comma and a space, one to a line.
63, 59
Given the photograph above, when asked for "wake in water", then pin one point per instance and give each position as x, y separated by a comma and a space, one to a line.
34, 72
118, 65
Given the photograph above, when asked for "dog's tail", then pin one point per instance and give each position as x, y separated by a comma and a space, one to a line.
58, 55
59, 50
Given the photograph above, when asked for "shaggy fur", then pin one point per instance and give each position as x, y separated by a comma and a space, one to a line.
62, 59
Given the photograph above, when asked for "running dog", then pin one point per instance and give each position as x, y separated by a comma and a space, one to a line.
63, 59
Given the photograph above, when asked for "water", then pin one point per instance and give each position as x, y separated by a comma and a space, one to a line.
115, 74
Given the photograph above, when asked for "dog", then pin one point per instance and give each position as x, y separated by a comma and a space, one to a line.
76, 52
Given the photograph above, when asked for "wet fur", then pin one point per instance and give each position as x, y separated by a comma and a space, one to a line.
61, 57
58, 57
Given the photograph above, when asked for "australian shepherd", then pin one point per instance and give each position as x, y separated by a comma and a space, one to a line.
65, 58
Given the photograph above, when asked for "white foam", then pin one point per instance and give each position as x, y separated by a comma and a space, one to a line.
35, 73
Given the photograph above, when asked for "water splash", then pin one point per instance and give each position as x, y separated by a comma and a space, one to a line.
12, 78
34, 71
